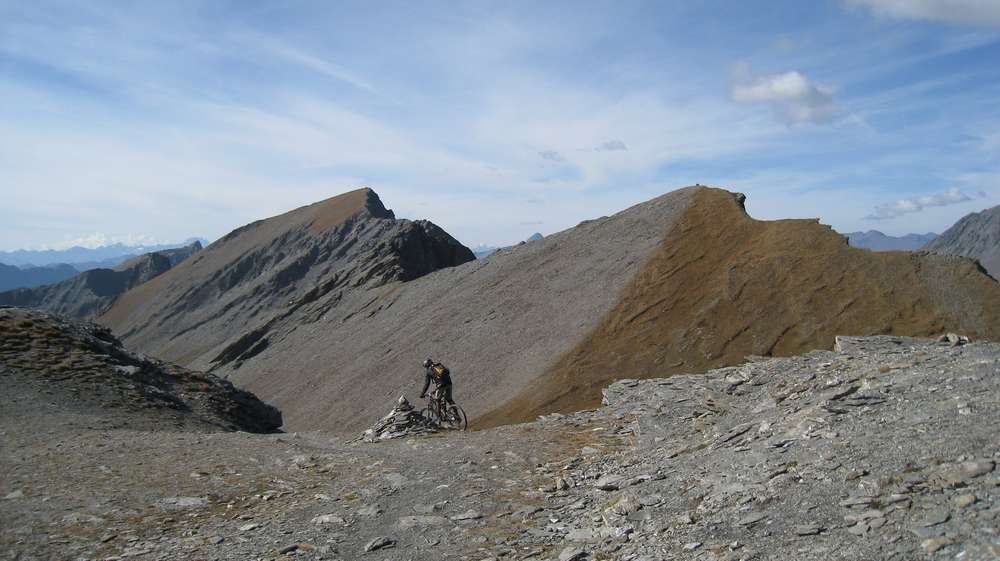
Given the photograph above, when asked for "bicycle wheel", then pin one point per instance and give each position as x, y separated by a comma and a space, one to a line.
455, 418
431, 415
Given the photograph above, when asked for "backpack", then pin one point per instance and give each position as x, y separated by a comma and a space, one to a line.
439, 370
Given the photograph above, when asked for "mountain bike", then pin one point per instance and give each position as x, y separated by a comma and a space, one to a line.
443, 414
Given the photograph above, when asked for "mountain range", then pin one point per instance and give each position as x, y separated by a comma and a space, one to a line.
877, 241
88, 293
481, 251
644, 353
328, 310
83, 258
12, 277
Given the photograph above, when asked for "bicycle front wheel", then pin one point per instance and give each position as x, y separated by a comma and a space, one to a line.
431, 415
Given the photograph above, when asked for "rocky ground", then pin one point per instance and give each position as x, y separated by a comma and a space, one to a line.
883, 449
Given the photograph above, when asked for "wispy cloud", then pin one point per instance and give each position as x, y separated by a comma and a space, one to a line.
916, 204
120, 118
969, 12
552, 156
793, 97
612, 146
308, 60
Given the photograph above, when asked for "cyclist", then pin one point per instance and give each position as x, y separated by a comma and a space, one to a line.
441, 376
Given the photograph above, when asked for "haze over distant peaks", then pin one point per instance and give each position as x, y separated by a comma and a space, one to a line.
90, 292
481, 251
83, 258
877, 241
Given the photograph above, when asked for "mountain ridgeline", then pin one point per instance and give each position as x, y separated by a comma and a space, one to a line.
328, 310
89, 293
259, 283
12, 277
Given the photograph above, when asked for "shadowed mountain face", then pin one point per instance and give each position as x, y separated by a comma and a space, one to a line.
12, 277
681, 283
82, 370
877, 241
976, 235
91, 292
246, 291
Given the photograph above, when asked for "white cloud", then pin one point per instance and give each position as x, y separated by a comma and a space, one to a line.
916, 204
793, 97
971, 12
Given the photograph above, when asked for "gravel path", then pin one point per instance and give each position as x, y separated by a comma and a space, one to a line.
885, 449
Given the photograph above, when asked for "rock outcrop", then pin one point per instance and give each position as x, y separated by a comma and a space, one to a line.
89, 293
977, 235
404, 420
82, 368
682, 283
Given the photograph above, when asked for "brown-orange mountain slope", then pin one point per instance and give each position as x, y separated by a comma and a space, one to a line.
722, 286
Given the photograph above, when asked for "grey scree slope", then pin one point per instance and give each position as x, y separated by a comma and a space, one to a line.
497, 323
976, 235
222, 303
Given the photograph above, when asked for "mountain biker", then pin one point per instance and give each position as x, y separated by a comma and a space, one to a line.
441, 376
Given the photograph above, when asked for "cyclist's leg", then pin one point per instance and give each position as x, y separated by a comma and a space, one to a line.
447, 394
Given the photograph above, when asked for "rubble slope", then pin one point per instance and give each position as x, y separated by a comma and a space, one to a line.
884, 448
54, 367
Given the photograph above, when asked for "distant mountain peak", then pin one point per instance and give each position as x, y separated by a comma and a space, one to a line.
877, 241
976, 235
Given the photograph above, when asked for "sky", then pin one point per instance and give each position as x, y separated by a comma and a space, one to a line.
160, 121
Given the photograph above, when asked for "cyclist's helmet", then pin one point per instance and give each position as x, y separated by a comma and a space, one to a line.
428, 362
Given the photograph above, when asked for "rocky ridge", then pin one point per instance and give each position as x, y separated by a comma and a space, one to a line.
883, 448
82, 369
319, 312
976, 235
248, 290
91, 292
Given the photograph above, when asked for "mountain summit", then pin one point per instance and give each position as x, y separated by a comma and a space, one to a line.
259, 283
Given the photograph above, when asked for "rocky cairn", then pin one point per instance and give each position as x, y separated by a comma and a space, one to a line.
403, 420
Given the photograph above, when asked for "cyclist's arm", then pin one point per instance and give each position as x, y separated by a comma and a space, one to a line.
427, 384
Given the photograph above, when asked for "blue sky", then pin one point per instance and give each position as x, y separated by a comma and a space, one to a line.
158, 121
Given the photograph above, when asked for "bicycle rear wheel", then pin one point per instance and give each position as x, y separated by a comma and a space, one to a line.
455, 418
